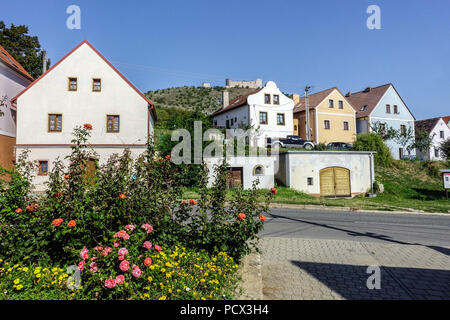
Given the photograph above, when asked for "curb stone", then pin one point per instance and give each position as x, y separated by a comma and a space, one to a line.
251, 283
350, 209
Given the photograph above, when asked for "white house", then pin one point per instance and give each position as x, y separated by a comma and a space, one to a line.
267, 111
83, 87
382, 105
439, 131
13, 79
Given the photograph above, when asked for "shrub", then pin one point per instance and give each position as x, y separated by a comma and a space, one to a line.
445, 149
373, 142
320, 147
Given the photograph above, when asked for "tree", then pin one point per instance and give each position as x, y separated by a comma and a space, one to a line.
423, 141
373, 142
405, 139
23, 47
386, 132
445, 148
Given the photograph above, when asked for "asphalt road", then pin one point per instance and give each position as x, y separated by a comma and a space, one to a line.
426, 230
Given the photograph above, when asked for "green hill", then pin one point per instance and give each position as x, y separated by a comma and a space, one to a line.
207, 100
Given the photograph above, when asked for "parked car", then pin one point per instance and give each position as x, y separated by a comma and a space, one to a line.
339, 146
290, 142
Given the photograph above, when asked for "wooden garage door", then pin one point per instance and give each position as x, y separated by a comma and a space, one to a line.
335, 182
235, 178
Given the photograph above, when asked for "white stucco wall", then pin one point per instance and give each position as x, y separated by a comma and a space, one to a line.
248, 163
437, 140
297, 166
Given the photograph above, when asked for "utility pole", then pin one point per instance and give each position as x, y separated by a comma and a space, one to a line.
308, 130
44, 61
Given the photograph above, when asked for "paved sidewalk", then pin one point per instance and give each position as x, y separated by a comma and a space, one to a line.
294, 268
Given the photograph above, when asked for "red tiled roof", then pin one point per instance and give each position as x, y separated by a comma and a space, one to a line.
426, 125
237, 102
365, 101
314, 100
101, 56
446, 119
11, 62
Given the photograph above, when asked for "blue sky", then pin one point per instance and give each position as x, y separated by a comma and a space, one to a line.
160, 44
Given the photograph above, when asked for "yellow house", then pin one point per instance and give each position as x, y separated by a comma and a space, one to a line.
331, 117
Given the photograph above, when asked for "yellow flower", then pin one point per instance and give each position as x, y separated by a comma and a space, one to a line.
16, 281
162, 298
19, 287
150, 279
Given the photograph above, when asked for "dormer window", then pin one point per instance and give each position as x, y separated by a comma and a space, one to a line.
96, 85
364, 107
276, 99
73, 84
267, 98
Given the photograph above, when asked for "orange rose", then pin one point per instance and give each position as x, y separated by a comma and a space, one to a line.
57, 222
262, 218
192, 202
18, 210
67, 177
28, 207
241, 216
168, 157
71, 223
273, 191
87, 126
122, 196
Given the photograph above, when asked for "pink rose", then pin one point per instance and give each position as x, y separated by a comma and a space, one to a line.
110, 283
120, 279
136, 272
106, 251
148, 228
93, 267
81, 265
98, 248
148, 261
94, 258
158, 248
130, 227
122, 234
124, 265
116, 244
123, 251
84, 254
147, 245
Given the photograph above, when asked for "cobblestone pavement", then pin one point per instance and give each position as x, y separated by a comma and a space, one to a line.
294, 268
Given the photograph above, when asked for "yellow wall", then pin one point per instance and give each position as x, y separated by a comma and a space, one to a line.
337, 116
301, 124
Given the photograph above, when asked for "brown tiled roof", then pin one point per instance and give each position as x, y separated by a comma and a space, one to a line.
314, 99
426, 125
446, 119
11, 62
237, 102
368, 98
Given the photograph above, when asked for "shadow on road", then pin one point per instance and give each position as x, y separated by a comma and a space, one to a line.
372, 235
350, 281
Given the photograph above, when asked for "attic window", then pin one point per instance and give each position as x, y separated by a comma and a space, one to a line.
96, 85
267, 98
364, 107
73, 84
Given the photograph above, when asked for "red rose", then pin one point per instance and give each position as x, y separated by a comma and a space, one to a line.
192, 202
241, 216
57, 222
87, 126
273, 191
122, 196
262, 218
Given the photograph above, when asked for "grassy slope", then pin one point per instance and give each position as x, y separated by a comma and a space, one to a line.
408, 185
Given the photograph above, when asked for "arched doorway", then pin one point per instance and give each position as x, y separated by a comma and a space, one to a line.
335, 182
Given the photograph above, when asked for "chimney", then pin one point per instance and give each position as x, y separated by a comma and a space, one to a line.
367, 89
225, 99
348, 94
44, 61
296, 98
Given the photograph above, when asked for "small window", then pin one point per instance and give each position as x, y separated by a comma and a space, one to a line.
326, 124
364, 107
112, 124
280, 119
346, 125
295, 127
436, 152
43, 167
73, 84
235, 119
263, 117
54, 122
395, 109
441, 135
258, 171
388, 108
96, 85
341, 104
331, 103
403, 130
310, 181
276, 99
227, 124
383, 126
215, 122
232, 121
267, 98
